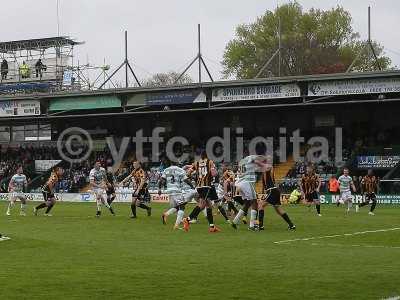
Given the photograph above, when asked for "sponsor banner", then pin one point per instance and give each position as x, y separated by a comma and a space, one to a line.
124, 196
42, 166
67, 78
136, 100
357, 198
257, 92
17, 108
84, 102
30, 197
377, 162
353, 87
177, 97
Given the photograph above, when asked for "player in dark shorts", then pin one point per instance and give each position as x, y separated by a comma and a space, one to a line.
310, 185
272, 197
48, 191
110, 190
141, 195
369, 188
205, 171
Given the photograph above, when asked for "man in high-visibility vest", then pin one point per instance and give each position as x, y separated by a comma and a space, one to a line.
24, 70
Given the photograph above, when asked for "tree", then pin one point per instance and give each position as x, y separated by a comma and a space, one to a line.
167, 79
312, 42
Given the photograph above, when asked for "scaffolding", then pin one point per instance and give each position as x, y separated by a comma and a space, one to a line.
37, 65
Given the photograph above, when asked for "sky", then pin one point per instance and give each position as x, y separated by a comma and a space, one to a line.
163, 33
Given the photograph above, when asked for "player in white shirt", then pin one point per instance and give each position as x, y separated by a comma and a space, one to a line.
17, 187
98, 183
245, 186
174, 178
346, 185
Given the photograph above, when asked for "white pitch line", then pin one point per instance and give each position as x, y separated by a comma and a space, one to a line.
358, 246
336, 235
393, 298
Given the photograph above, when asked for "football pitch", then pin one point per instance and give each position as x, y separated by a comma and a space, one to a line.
73, 255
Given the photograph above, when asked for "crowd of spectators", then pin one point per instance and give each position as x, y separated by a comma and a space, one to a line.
76, 175
12, 157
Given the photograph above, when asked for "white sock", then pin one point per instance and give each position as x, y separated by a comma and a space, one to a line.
253, 217
179, 217
349, 204
10, 206
239, 215
170, 211
98, 207
23, 206
205, 212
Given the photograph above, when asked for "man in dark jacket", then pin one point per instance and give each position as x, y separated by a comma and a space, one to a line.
39, 67
4, 69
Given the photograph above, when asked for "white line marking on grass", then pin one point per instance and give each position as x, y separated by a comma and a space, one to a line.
360, 246
392, 298
336, 235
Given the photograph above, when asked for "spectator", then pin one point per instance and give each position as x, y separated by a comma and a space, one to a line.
39, 67
333, 185
356, 183
24, 70
4, 69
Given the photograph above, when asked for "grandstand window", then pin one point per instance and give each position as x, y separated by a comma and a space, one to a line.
4, 134
18, 134
31, 127
29, 133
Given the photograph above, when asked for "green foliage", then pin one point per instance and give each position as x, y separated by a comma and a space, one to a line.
312, 42
167, 79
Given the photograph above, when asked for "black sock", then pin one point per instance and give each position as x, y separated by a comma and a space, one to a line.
98, 213
133, 209
318, 207
40, 206
210, 217
337, 204
144, 206
246, 210
287, 219
261, 218
373, 206
223, 212
111, 210
110, 200
195, 213
49, 208
232, 207
239, 200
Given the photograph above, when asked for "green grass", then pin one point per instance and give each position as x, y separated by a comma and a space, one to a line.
76, 256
